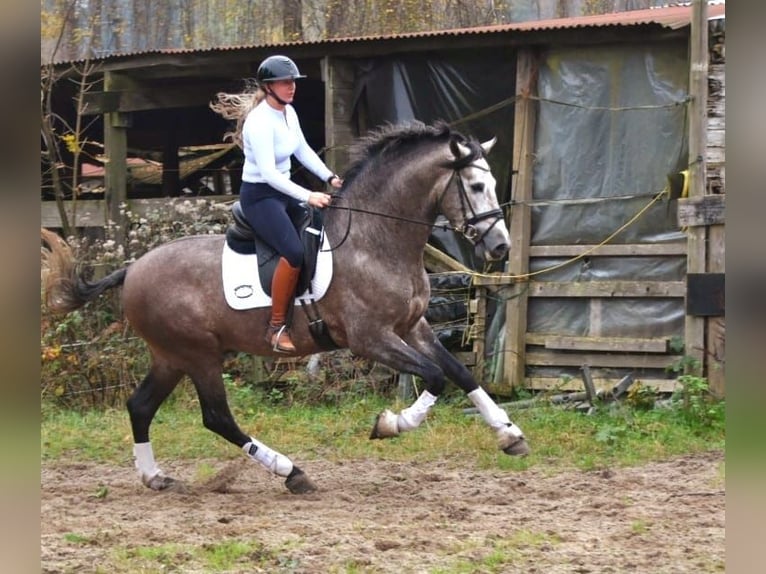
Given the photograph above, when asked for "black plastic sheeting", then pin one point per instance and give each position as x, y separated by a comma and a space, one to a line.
447, 309
457, 90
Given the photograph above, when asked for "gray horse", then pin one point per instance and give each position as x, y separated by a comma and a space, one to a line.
401, 178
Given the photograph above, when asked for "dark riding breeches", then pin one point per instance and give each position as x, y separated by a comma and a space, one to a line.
269, 212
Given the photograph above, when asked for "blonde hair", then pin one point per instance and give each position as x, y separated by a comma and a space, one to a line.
236, 107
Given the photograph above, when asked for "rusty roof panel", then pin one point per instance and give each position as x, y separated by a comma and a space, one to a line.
673, 17
670, 17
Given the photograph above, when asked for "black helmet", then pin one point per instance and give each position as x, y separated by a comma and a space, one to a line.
277, 68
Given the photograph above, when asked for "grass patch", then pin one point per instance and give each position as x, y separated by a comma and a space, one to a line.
612, 436
74, 538
497, 554
225, 556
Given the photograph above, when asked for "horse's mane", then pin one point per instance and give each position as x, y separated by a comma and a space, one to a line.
391, 140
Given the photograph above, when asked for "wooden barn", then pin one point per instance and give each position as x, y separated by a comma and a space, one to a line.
610, 162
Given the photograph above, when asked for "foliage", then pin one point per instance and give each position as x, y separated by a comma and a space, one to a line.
693, 400
90, 357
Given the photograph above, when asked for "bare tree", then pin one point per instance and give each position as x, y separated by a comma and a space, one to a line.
61, 136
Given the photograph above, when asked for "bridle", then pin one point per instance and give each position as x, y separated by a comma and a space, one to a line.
469, 229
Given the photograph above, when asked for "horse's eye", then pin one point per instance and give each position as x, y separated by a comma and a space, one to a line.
477, 187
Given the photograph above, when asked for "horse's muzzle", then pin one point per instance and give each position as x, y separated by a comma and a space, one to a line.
497, 251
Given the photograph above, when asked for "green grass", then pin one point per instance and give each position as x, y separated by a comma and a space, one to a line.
221, 556
618, 436
560, 439
498, 554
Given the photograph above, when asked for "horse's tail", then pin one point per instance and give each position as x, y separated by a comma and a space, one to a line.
64, 288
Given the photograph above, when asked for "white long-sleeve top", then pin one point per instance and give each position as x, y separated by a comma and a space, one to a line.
270, 137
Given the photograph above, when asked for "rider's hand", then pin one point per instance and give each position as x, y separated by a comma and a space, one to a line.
319, 199
336, 182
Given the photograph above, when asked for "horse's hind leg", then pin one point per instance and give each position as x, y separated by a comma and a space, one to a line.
142, 406
217, 417
510, 437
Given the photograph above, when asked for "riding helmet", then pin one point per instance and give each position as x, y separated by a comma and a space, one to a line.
276, 68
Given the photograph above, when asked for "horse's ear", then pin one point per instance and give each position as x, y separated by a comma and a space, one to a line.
458, 149
488, 145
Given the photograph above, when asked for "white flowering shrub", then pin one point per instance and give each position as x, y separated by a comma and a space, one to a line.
90, 357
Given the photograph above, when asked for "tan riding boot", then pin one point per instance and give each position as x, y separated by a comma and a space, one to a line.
282, 291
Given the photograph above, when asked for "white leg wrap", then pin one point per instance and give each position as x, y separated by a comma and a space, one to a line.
274, 461
494, 416
145, 464
411, 417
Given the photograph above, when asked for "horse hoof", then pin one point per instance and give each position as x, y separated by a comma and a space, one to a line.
299, 483
385, 426
519, 448
162, 482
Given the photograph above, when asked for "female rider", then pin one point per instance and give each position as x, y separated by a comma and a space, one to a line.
269, 133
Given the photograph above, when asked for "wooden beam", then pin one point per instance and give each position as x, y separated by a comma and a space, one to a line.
116, 151
150, 98
607, 289
82, 213
91, 212
525, 119
704, 210
590, 387
694, 327
570, 359
601, 384
439, 262
610, 344
171, 165
609, 250
715, 343
338, 77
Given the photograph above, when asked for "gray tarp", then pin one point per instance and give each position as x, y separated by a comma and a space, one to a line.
430, 88
611, 127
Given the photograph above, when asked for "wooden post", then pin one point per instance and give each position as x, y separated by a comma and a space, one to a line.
171, 167
405, 389
590, 387
514, 347
696, 245
116, 149
715, 355
478, 307
338, 77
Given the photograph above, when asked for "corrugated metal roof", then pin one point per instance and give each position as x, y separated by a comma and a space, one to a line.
672, 17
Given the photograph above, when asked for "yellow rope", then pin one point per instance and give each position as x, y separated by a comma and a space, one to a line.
619, 230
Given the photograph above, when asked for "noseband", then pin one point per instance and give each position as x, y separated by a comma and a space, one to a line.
469, 229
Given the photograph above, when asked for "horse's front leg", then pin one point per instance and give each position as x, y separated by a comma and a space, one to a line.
217, 417
391, 350
510, 437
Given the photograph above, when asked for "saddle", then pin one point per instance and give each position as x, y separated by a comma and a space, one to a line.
242, 238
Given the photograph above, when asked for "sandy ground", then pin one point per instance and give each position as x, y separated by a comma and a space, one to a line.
380, 516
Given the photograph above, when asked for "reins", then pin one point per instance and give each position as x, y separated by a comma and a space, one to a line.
467, 229
445, 226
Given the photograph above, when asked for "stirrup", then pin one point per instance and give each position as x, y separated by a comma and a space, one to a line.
275, 336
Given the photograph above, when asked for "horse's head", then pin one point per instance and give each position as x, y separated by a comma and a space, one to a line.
470, 202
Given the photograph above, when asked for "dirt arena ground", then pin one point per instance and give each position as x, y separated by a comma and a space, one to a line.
666, 517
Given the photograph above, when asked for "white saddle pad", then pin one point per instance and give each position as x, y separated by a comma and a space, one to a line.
242, 286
